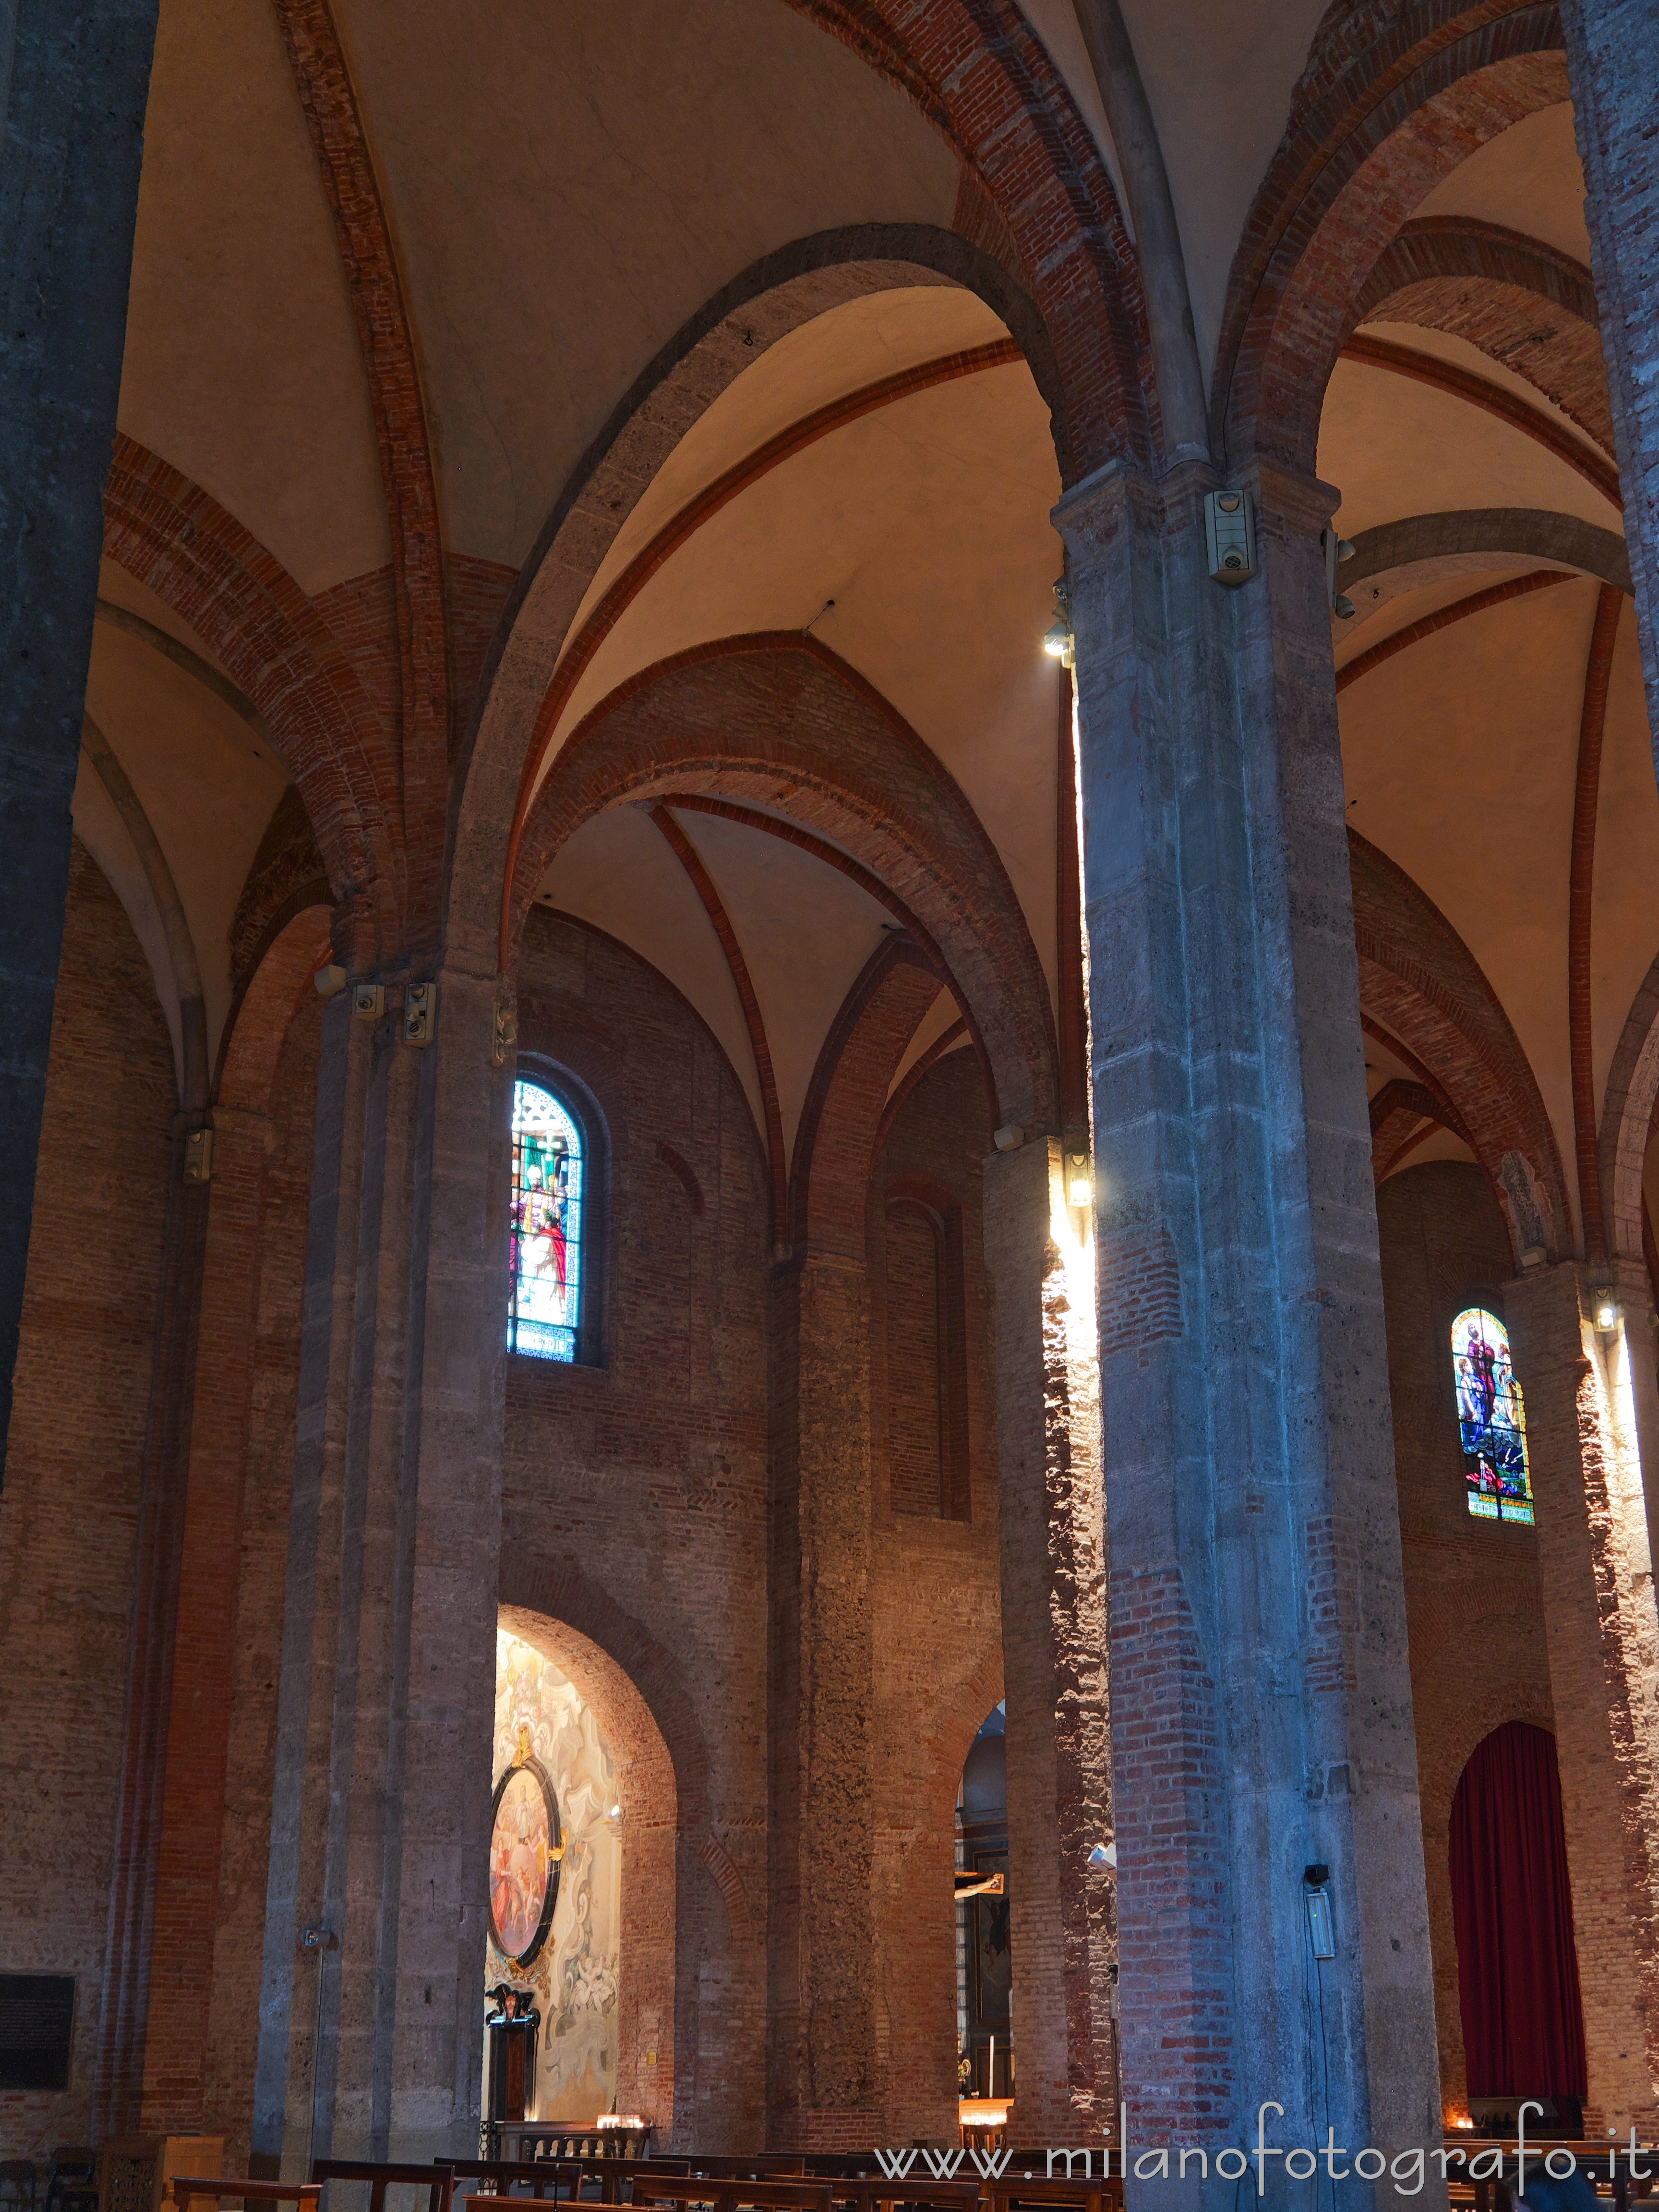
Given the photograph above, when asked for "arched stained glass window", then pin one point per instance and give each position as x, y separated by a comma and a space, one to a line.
544, 1309
1492, 1418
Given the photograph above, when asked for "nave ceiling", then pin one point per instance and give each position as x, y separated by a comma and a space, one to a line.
559, 206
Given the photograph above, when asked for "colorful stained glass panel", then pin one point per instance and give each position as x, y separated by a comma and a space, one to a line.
545, 1311
1492, 1418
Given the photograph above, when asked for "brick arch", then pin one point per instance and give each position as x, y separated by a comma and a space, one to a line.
1504, 533
1531, 308
1419, 982
254, 1036
980, 73
778, 721
917, 1983
1630, 1108
842, 1113
764, 302
1391, 102
176, 540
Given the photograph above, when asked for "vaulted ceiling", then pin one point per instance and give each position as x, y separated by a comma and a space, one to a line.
563, 193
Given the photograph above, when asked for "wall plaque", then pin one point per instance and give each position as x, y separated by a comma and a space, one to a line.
37, 2020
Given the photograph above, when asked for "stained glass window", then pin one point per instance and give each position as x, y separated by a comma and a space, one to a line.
544, 1309
1491, 1418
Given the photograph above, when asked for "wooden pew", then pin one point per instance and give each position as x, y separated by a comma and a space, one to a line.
178, 2189
1013, 2189
437, 2181
876, 2192
725, 2192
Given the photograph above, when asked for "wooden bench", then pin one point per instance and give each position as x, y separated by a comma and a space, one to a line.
1012, 2190
179, 2188
1495, 2193
436, 2179
877, 2192
724, 2192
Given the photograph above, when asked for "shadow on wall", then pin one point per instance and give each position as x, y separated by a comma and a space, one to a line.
573, 1968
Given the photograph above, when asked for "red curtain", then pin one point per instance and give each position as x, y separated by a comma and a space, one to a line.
1517, 1965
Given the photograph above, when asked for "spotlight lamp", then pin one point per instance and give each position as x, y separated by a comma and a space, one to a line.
1057, 640
1079, 1179
1607, 1312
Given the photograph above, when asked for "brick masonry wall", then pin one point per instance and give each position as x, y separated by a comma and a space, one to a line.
1473, 1600
935, 1580
645, 1479
70, 1510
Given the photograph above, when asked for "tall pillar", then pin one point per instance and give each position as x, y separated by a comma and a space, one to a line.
371, 2032
1061, 1932
71, 136
1261, 1714
821, 2090
1596, 1575
1613, 57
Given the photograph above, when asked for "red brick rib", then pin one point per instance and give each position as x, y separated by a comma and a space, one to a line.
707, 889
1477, 603
1002, 353
406, 470
1477, 391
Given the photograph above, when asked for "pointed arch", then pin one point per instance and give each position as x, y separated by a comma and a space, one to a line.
175, 538
1419, 982
1391, 100
779, 723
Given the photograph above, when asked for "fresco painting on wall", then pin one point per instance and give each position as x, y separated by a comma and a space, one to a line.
542, 1720
524, 1854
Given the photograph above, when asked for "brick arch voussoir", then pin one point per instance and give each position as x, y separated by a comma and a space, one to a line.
1525, 306
1629, 1110
173, 538
261, 1019
979, 71
1388, 109
774, 296
782, 724
842, 1113
1419, 982
558, 1591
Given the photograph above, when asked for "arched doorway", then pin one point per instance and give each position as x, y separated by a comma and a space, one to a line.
602, 1973
984, 1956
1517, 1963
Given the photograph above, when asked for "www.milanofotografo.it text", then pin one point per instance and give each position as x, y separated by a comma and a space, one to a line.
1407, 2170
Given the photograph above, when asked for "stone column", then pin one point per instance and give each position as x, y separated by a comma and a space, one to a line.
1613, 55
1633, 1291
193, 1770
1596, 1575
1061, 1931
71, 136
822, 2094
1261, 1716
380, 1827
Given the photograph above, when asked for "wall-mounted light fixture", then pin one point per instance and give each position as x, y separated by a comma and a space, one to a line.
1322, 1931
1336, 551
1230, 536
1079, 1179
1607, 1311
1057, 641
